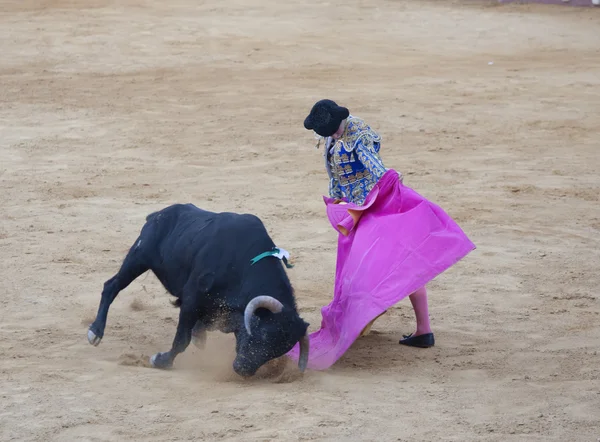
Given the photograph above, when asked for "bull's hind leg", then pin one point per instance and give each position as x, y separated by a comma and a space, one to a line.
133, 266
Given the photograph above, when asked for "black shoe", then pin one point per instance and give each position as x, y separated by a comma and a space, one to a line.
421, 341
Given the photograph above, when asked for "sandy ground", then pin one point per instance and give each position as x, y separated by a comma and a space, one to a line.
112, 109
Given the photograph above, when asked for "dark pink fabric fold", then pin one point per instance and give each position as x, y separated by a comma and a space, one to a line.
395, 243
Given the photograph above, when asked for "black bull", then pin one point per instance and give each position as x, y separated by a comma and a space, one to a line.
204, 260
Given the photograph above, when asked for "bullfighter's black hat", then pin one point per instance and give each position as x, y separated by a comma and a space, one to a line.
325, 117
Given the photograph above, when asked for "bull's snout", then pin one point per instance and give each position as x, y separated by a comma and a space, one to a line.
242, 368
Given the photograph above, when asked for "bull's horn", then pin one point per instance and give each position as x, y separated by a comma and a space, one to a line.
303, 358
267, 302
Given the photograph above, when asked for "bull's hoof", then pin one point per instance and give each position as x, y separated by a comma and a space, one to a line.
93, 339
161, 360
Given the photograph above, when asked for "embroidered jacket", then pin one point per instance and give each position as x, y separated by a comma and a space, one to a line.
353, 162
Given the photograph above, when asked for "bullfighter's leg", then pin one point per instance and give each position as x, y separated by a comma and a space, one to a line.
132, 267
423, 337
188, 316
199, 335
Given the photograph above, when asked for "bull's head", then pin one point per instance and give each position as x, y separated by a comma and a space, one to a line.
272, 331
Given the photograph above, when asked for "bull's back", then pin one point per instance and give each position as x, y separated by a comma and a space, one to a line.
187, 220
171, 214
187, 239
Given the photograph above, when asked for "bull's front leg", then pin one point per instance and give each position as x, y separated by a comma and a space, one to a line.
188, 315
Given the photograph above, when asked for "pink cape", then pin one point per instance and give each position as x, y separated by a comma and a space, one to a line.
388, 248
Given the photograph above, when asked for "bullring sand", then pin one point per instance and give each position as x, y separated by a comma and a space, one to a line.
112, 109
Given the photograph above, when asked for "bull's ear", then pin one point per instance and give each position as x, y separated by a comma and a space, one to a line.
263, 313
305, 324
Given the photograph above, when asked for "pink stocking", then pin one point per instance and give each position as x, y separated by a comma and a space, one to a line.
419, 302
